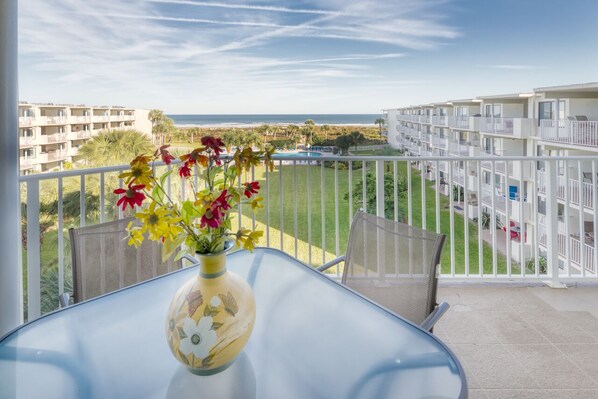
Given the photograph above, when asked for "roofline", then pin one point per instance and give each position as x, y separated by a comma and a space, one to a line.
576, 86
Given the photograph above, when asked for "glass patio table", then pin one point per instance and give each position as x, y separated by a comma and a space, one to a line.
313, 338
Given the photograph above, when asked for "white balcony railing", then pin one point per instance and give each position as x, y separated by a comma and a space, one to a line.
516, 127
583, 133
304, 197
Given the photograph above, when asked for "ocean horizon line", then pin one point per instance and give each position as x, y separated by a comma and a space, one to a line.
249, 120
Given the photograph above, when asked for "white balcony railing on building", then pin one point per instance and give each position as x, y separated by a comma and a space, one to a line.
26, 120
516, 127
303, 198
80, 119
583, 133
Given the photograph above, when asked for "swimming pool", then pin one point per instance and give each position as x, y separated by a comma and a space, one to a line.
306, 154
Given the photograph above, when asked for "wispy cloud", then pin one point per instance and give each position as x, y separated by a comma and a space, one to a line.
174, 54
246, 7
514, 67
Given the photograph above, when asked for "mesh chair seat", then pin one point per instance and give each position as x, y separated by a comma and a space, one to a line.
104, 262
394, 264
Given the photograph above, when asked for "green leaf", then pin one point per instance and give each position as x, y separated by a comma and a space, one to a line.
183, 358
181, 332
180, 255
216, 325
206, 311
165, 176
206, 362
158, 194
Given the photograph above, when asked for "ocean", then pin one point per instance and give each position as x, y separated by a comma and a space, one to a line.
273, 119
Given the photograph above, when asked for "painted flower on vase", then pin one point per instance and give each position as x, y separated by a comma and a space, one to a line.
199, 338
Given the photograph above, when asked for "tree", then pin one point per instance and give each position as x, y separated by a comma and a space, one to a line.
155, 115
308, 131
357, 138
115, 147
325, 129
343, 143
163, 127
389, 194
380, 122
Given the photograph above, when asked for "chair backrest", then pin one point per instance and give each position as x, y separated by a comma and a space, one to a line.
394, 264
104, 262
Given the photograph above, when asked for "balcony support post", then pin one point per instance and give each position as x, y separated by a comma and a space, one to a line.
10, 280
552, 228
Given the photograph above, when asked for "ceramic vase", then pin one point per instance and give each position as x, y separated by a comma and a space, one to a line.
210, 317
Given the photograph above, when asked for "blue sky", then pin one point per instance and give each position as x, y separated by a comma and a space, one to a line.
310, 56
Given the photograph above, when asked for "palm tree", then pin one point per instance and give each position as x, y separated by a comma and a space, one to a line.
325, 129
380, 122
357, 138
155, 115
115, 147
308, 131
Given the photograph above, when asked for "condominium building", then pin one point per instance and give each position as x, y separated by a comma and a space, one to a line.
549, 121
51, 134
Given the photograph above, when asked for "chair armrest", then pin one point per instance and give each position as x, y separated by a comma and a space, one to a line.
433, 317
191, 259
333, 262
64, 300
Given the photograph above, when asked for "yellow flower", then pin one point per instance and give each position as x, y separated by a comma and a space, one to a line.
256, 203
159, 223
140, 161
248, 241
140, 175
135, 235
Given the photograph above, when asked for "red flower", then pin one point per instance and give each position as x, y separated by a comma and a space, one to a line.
213, 143
185, 170
164, 154
215, 213
251, 188
132, 196
212, 218
222, 201
194, 157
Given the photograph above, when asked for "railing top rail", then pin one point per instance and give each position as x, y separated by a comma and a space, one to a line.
358, 158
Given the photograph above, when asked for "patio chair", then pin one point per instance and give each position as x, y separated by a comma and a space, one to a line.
395, 265
103, 261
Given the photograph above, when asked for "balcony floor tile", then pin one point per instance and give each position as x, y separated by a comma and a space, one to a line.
523, 342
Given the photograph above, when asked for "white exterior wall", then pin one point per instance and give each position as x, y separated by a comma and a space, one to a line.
142, 122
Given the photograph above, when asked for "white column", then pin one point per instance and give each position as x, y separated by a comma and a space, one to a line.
9, 170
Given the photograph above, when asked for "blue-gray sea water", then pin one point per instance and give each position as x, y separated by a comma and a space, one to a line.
297, 119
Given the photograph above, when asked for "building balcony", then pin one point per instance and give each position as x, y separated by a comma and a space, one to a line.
564, 131
74, 119
439, 142
26, 141
52, 120
26, 121
440, 120
100, 118
458, 148
511, 127
51, 156
80, 135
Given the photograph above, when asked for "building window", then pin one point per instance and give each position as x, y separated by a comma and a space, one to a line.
546, 110
493, 110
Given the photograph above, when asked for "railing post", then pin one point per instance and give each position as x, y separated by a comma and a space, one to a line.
380, 188
10, 280
552, 238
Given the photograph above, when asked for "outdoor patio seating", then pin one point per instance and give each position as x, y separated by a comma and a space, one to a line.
395, 265
104, 262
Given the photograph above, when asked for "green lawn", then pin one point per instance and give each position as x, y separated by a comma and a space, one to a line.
309, 221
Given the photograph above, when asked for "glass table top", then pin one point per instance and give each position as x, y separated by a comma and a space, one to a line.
313, 338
